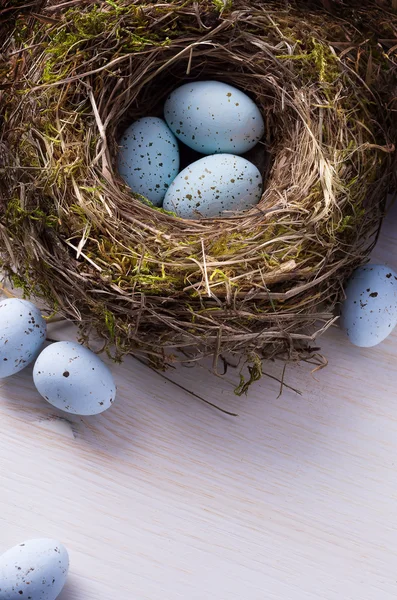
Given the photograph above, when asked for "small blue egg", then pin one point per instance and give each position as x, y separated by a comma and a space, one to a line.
214, 186
214, 117
36, 569
149, 158
74, 379
22, 334
369, 312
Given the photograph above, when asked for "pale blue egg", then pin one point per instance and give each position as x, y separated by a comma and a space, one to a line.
217, 185
35, 569
22, 334
369, 312
214, 117
74, 379
149, 158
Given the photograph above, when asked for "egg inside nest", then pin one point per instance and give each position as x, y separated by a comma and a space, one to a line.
215, 130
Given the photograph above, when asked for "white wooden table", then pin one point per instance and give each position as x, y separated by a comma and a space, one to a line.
164, 498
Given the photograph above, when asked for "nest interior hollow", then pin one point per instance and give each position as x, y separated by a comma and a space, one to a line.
264, 282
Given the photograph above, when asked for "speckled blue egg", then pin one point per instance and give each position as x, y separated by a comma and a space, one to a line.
74, 379
22, 334
34, 570
149, 158
214, 117
369, 312
214, 186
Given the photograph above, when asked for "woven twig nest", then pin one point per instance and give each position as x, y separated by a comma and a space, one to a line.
264, 282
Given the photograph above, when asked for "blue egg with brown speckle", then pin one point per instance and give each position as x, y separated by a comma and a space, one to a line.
214, 186
214, 117
22, 334
148, 158
35, 570
74, 379
369, 311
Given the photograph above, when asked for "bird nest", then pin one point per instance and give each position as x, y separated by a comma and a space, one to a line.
263, 283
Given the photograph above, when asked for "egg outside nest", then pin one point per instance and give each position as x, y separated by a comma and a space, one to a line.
369, 311
22, 334
74, 379
35, 569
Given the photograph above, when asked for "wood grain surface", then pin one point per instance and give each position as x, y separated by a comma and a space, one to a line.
165, 498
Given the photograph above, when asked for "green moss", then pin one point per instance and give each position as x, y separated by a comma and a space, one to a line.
27, 154
255, 373
222, 5
230, 244
219, 275
350, 221
16, 215
133, 268
76, 41
318, 56
154, 284
19, 282
346, 223
110, 323
72, 44
52, 71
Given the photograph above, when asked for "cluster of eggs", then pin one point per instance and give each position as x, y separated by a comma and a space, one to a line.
369, 311
66, 374
212, 118
36, 569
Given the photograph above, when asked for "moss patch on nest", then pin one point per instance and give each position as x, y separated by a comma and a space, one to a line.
263, 282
